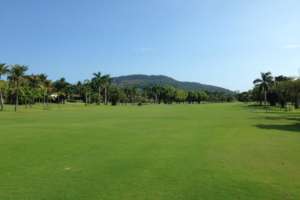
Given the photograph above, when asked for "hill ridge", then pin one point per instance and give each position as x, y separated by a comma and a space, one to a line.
143, 80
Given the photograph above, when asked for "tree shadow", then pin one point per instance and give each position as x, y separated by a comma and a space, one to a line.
286, 127
271, 109
292, 121
290, 118
254, 105
287, 121
277, 117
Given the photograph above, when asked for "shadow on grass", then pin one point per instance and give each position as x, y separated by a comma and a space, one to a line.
288, 117
287, 127
287, 121
278, 117
270, 109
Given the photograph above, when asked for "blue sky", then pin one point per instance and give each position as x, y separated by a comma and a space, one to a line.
225, 43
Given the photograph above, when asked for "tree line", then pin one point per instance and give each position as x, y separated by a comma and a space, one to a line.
20, 88
274, 91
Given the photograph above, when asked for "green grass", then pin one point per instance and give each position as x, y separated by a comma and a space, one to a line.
212, 151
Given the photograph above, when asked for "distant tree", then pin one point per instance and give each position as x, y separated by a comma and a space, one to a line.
43, 85
61, 86
157, 93
168, 94
3, 71
264, 83
26, 94
17, 73
257, 95
201, 96
282, 89
97, 82
115, 95
105, 82
244, 96
180, 95
79, 90
130, 94
295, 92
277, 91
192, 97
47, 89
33, 83
87, 91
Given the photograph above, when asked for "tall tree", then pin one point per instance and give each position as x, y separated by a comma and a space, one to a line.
130, 93
295, 92
155, 92
48, 88
180, 95
116, 94
264, 83
44, 84
17, 72
3, 71
61, 86
97, 80
87, 91
105, 82
34, 85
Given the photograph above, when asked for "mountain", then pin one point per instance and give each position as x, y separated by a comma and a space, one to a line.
141, 81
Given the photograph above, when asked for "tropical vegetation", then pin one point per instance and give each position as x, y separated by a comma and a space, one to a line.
20, 88
281, 91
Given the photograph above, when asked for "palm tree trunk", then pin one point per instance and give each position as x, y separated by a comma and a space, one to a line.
1, 100
17, 97
44, 98
47, 101
99, 95
47, 97
86, 99
296, 102
265, 97
105, 95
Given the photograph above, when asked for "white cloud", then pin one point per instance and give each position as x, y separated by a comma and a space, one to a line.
292, 46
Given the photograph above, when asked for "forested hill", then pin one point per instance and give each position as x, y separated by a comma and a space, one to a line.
141, 81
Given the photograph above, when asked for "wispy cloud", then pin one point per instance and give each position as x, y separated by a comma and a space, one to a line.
292, 46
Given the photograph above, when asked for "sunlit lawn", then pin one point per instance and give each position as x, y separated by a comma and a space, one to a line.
211, 151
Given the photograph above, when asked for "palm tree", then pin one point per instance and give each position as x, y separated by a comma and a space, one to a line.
42, 83
17, 72
264, 83
3, 71
105, 82
48, 87
34, 85
61, 86
86, 90
156, 90
98, 81
78, 89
